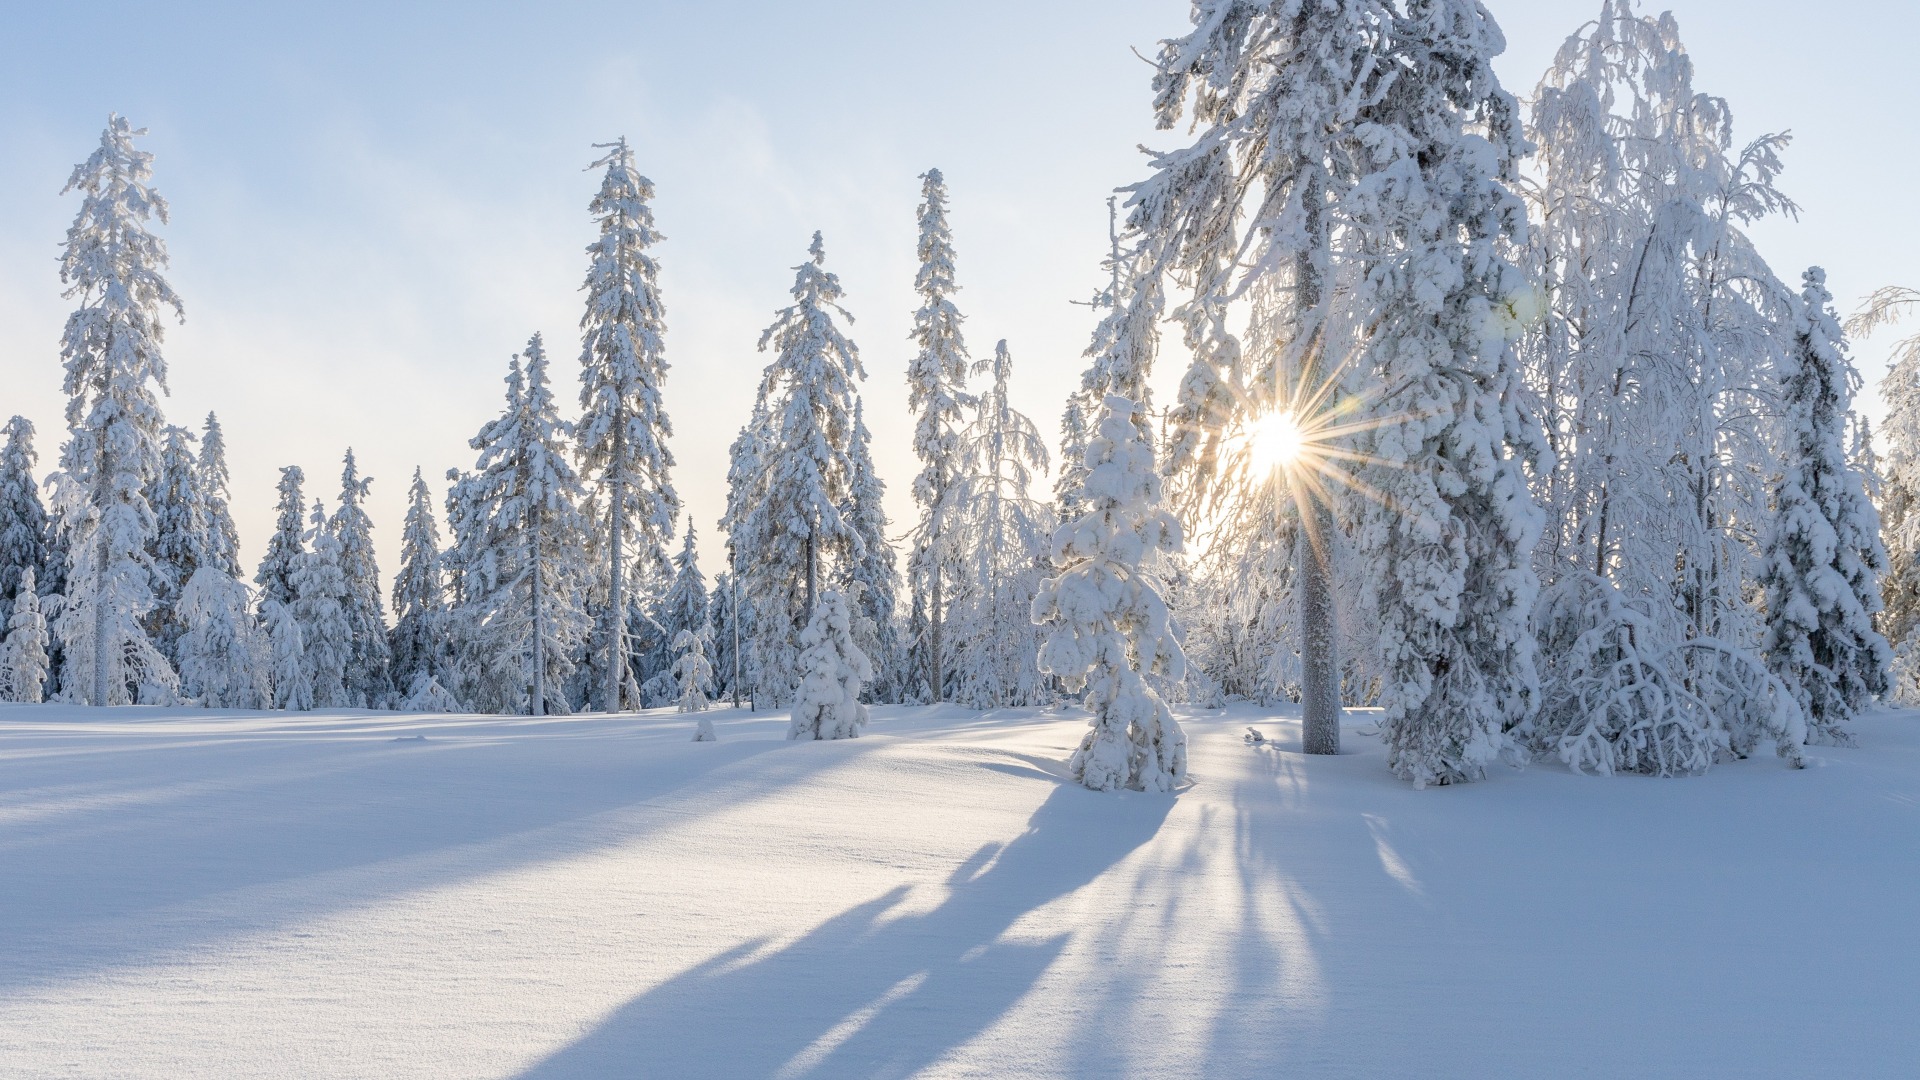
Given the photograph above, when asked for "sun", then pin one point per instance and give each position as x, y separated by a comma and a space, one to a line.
1275, 441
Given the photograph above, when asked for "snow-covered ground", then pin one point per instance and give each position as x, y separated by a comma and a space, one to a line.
188, 894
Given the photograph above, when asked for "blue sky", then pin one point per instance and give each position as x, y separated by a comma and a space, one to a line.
375, 205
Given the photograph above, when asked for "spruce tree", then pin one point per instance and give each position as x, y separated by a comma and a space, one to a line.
320, 608
1449, 539
694, 672
685, 605
1824, 560
23, 519
623, 429
827, 703
936, 394
1900, 491
181, 543
870, 575
745, 468
793, 523
225, 656
369, 681
292, 682
418, 640
522, 611
1107, 613
115, 373
24, 652
223, 538
285, 547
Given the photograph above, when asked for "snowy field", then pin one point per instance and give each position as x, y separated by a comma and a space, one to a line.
188, 894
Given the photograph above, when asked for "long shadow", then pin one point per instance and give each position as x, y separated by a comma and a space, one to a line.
184, 850
871, 992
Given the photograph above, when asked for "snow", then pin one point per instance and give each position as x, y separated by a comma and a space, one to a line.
379, 895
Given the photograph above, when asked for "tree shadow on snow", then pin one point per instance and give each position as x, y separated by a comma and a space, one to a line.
871, 992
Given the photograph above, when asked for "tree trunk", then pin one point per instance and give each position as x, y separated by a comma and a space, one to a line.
616, 606
539, 707
1319, 644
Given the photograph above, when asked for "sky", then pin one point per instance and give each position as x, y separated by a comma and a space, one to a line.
374, 205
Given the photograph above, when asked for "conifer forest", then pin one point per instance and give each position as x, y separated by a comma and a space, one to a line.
1463, 619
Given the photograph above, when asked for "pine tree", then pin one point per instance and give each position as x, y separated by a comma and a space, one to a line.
793, 521
292, 682
225, 656
870, 576
23, 520
320, 608
522, 611
936, 394
418, 640
223, 538
827, 704
369, 682
1108, 617
1001, 533
623, 429
25, 650
112, 265
285, 548
1824, 560
181, 543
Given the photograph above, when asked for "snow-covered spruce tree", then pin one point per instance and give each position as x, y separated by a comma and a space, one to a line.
223, 538
524, 578
684, 605
1450, 538
115, 373
936, 395
1108, 625
320, 608
292, 683
1001, 534
1823, 561
225, 655
285, 547
623, 430
793, 524
827, 705
1082, 410
745, 466
180, 543
1900, 485
418, 641
25, 649
692, 669
368, 678
870, 575
23, 520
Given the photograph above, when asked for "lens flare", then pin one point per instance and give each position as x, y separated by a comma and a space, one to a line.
1275, 441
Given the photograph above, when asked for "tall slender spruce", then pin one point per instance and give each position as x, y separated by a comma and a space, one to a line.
112, 265
623, 430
